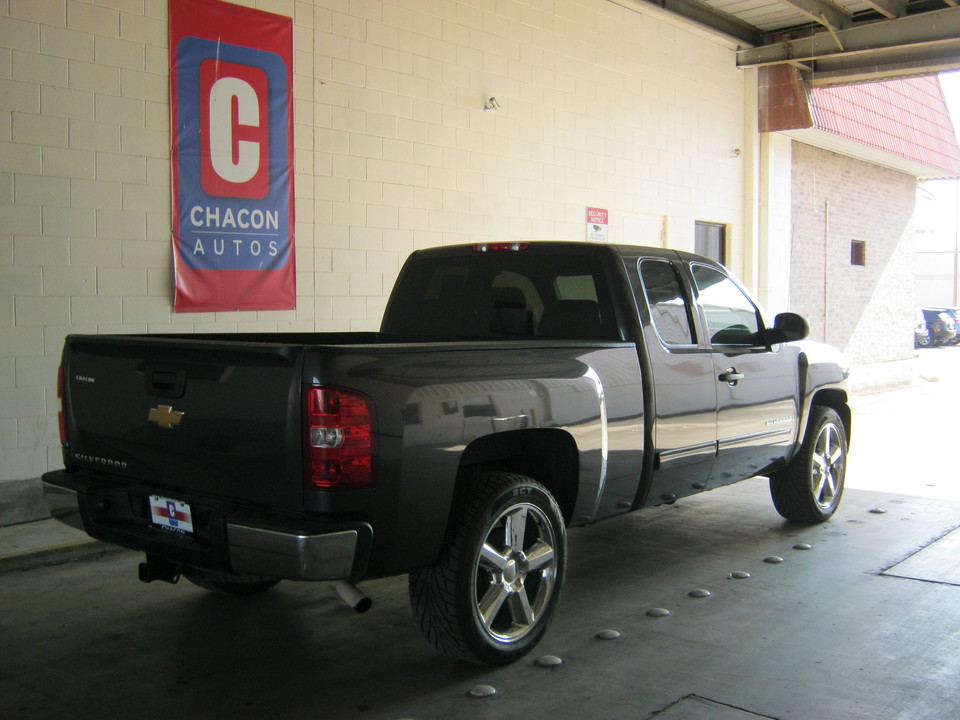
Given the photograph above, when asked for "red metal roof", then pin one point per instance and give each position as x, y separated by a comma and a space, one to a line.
907, 117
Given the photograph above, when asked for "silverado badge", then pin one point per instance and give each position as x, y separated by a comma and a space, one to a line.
165, 416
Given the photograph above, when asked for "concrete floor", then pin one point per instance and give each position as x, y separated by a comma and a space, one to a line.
833, 632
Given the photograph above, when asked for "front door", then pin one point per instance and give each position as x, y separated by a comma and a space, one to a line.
757, 403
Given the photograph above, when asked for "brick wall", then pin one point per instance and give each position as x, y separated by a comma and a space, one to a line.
600, 105
867, 311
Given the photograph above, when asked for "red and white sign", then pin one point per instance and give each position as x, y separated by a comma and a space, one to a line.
231, 112
598, 222
235, 154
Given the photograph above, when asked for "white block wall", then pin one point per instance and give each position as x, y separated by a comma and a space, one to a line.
600, 104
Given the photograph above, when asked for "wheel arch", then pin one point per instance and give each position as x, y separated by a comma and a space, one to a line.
837, 400
547, 455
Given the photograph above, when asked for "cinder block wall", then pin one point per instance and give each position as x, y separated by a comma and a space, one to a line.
865, 310
600, 105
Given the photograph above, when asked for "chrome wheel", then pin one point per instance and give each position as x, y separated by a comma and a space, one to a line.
810, 487
829, 460
492, 593
515, 573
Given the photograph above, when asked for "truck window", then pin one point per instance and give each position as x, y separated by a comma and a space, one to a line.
576, 287
732, 318
665, 298
503, 296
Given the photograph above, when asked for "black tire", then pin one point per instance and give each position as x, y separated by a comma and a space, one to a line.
227, 584
810, 487
495, 588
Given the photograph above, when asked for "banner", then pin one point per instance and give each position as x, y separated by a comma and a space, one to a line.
231, 128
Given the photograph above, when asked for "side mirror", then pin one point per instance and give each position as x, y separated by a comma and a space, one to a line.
787, 327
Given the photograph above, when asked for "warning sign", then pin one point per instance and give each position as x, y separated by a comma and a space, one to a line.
597, 224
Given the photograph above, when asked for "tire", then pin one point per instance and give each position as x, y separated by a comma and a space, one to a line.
227, 584
810, 487
493, 592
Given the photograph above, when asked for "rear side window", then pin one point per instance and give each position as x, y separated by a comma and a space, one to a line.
522, 295
667, 303
732, 318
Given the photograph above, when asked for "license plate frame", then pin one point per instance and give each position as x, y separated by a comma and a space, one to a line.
171, 514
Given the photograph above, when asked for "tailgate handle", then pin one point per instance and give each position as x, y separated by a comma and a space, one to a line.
167, 383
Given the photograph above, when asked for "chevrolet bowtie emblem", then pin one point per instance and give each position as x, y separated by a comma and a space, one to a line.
165, 416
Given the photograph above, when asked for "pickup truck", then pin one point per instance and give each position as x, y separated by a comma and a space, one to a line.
513, 391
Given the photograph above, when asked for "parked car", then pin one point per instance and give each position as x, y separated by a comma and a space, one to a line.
941, 326
954, 314
921, 335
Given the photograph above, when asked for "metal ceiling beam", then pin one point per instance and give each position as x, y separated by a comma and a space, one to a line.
893, 8
824, 12
705, 15
934, 30
851, 70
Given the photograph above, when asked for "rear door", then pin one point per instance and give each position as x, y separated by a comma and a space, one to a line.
684, 384
757, 390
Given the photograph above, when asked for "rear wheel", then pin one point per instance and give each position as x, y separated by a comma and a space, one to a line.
494, 590
228, 584
809, 488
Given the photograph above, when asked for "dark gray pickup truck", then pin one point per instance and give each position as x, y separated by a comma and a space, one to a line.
514, 390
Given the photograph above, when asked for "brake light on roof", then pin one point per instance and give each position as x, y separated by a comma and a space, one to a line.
501, 247
339, 439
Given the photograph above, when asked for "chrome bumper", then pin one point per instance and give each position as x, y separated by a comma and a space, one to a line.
327, 556
253, 550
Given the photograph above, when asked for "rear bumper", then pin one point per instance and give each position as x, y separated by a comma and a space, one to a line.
245, 548
298, 556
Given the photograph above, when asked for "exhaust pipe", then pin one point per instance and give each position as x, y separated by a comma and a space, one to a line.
352, 595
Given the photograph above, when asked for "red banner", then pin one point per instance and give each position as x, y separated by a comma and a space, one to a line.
231, 127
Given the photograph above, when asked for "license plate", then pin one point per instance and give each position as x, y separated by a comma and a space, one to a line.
171, 514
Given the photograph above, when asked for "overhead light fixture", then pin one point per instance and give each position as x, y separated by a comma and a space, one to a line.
491, 104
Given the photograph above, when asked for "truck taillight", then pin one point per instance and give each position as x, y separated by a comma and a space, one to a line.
61, 410
339, 429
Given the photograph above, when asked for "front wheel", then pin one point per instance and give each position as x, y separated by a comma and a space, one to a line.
809, 488
494, 590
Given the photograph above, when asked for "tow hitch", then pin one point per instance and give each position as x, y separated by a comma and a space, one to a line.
158, 568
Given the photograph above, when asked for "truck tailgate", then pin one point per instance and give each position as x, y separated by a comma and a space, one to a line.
202, 417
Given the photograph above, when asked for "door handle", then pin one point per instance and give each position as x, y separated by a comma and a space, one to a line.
730, 376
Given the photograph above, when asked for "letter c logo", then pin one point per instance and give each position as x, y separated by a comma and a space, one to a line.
234, 130
233, 99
